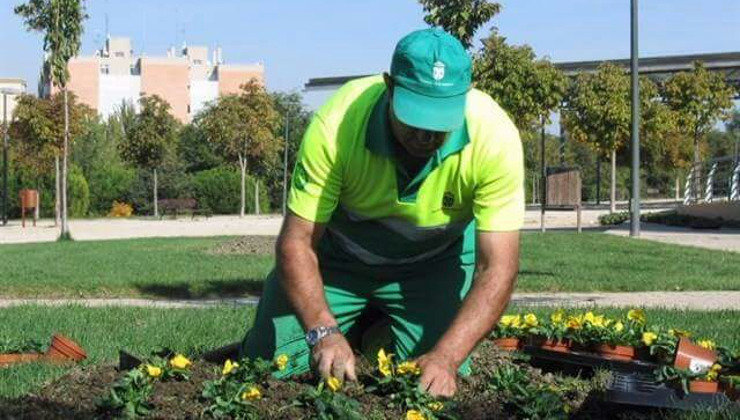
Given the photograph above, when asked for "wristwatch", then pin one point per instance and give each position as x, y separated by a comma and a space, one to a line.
315, 335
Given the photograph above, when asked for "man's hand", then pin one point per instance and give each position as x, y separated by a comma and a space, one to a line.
333, 356
438, 374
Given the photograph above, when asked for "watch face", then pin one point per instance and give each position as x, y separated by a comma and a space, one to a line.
312, 337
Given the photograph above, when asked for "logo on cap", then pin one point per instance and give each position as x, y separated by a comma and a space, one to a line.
439, 71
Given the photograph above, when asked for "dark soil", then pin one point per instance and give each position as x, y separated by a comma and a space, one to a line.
76, 394
246, 245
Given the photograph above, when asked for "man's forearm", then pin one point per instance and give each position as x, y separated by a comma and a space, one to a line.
486, 301
302, 283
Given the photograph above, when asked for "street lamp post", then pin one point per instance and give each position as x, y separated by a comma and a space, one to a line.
635, 202
5, 159
285, 166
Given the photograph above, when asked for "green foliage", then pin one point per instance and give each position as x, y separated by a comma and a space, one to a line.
614, 219
218, 190
96, 152
130, 395
196, 152
232, 394
700, 98
330, 405
152, 133
460, 18
525, 398
37, 131
79, 193
529, 89
24, 346
598, 109
243, 127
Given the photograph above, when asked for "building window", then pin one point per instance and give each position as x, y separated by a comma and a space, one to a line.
119, 54
198, 62
132, 69
188, 109
104, 69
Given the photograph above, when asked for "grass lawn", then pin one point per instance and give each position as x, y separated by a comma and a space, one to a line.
182, 267
103, 331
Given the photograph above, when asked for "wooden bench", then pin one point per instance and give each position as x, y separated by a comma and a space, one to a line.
177, 206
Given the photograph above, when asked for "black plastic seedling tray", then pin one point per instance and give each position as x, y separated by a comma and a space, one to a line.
576, 359
641, 389
632, 382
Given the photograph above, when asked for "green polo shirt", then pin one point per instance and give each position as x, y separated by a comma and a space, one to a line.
346, 177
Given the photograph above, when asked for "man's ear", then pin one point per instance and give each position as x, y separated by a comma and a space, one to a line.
388, 82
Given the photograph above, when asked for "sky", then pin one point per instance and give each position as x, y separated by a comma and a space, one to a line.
298, 40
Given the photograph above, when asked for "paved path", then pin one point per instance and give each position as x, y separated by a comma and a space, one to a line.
723, 239
709, 300
102, 229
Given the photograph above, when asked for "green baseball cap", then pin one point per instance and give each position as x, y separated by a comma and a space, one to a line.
432, 75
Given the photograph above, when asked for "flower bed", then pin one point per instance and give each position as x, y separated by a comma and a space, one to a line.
502, 386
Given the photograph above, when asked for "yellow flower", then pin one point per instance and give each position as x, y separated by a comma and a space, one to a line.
649, 337
229, 366
334, 384
408, 367
530, 320
180, 362
385, 364
252, 393
415, 415
574, 322
281, 361
589, 317
558, 316
436, 406
637, 315
153, 371
619, 327
713, 372
510, 321
707, 344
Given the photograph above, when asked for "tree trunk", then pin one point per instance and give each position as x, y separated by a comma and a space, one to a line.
678, 188
156, 204
57, 195
613, 192
65, 152
256, 196
243, 166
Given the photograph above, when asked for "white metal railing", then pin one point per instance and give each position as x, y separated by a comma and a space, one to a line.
717, 180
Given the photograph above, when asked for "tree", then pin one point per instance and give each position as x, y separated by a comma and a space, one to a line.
700, 98
38, 129
243, 127
460, 18
61, 23
152, 134
527, 88
598, 113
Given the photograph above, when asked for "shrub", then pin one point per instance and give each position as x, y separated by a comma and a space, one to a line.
120, 210
218, 190
79, 193
614, 218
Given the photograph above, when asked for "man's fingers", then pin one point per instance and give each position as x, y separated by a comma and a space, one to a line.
325, 365
338, 366
351, 369
425, 383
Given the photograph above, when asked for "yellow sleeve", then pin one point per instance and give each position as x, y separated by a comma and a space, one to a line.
498, 203
317, 179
